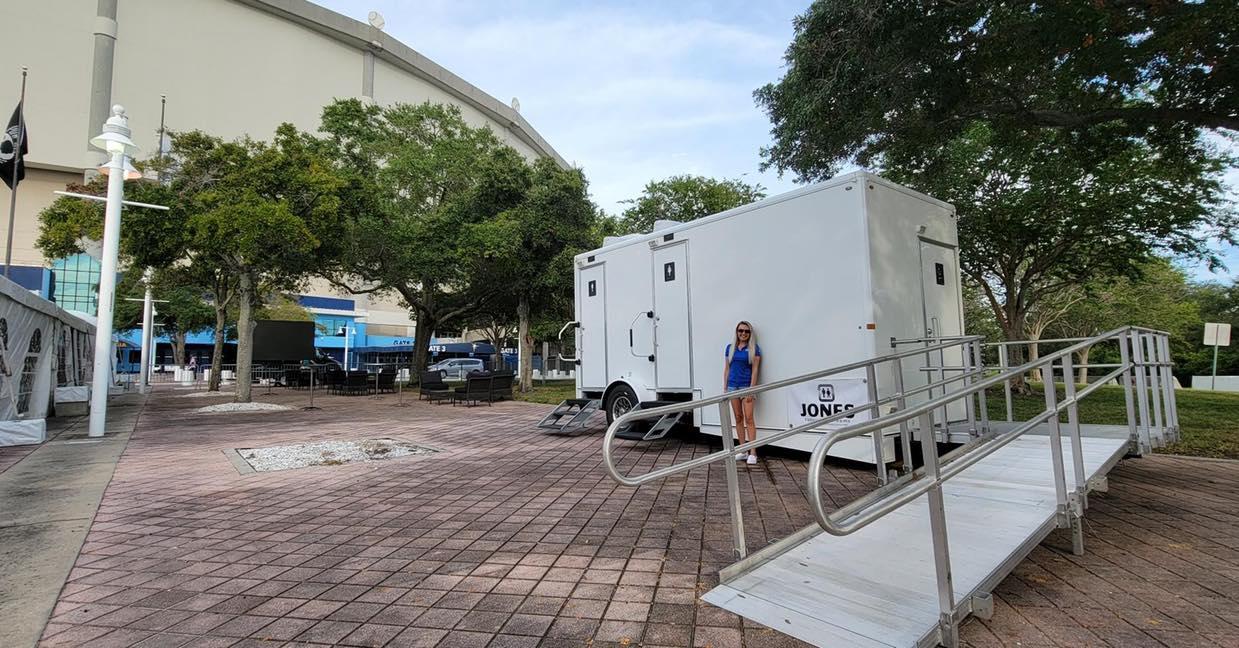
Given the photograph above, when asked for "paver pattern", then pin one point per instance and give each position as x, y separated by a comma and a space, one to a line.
510, 537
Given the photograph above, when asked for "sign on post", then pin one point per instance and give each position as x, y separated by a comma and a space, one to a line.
1216, 335
817, 399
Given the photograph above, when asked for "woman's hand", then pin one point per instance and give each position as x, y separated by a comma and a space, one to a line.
749, 399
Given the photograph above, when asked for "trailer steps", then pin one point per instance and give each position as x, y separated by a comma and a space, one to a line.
576, 411
876, 587
643, 431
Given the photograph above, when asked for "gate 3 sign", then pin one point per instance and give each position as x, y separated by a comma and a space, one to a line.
817, 399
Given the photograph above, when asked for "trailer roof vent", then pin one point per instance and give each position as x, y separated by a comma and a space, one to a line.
661, 224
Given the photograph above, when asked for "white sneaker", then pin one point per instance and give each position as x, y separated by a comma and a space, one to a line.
740, 456
752, 461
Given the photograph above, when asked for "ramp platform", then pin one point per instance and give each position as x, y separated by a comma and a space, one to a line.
877, 587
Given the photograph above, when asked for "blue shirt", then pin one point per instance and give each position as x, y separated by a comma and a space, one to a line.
740, 373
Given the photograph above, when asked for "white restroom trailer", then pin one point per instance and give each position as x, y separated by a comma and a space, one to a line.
827, 274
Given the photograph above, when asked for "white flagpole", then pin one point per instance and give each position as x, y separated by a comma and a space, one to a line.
17, 160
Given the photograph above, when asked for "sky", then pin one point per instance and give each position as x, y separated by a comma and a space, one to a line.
629, 91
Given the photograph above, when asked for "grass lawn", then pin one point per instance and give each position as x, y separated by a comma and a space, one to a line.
553, 393
1210, 420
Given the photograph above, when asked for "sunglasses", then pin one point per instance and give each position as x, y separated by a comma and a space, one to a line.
743, 331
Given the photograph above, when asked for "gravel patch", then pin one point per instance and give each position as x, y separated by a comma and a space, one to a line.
241, 407
207, 394
329, 453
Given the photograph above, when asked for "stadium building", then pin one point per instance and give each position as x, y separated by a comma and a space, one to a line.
229, 68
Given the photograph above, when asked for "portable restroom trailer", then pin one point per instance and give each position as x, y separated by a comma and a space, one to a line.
827, 274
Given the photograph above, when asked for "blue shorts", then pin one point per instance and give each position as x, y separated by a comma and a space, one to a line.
732, 388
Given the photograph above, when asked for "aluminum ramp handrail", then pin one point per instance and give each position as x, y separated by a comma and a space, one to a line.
928, 480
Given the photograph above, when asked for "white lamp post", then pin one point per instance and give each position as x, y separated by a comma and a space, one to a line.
115, 140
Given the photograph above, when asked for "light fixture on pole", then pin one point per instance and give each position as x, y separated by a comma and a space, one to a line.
115, 140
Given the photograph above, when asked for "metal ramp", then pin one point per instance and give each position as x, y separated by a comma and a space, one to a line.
573, 412
641, 431
903, 565
877, 587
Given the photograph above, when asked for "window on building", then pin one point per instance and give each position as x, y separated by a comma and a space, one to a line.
77, 283
26, 387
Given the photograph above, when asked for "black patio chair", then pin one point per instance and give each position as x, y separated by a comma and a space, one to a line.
476, 389
333, 380
433, 388
501, 385
387, 381
357, 383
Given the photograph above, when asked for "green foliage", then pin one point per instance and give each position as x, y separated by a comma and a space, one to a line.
684, 198
149, 237
1041, 211
522, 256
285, 309
409, 171
867, 78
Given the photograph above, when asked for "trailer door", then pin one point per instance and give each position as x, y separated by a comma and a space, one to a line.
672, 359
593, 332
940, 290
944, 317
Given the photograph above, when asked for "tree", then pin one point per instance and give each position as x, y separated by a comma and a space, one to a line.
1159, 298
865, 77
253, 210
1041, 211
407, 169
684, 198
528, 247
180, 311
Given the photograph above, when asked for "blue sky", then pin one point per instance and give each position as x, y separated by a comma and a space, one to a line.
629, 91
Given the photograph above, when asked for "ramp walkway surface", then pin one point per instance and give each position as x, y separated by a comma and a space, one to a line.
876, 587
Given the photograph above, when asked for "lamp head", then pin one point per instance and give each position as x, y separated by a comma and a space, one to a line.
130, 172
115, 136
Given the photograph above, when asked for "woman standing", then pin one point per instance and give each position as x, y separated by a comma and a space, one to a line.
739, 372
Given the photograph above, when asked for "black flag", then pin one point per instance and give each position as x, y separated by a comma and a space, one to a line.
12, 160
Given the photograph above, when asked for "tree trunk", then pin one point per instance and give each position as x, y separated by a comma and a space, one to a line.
1013, 331
423, 329
178, 347
526, 344
217, 352
245, 337
1083, 370
1034, 352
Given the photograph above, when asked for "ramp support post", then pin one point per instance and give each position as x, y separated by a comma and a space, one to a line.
1154, 365
1128, 368
1172, 406
948, 630
1006, 383
1073, 431
733, 482
905, 436
1056, 447
1142, 391
978, 362
879, 457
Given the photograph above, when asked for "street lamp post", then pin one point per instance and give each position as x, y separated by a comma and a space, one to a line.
115, 140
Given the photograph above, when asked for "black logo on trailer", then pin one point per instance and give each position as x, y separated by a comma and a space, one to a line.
593, 288
669, 271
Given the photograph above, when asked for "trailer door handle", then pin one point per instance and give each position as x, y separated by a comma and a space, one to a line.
631, 326
572, 324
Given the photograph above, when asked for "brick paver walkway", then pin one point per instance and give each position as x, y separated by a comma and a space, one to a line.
514, 538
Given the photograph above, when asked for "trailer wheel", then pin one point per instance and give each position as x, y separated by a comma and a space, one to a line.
620, 401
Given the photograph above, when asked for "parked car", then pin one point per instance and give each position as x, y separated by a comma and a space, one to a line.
458, 368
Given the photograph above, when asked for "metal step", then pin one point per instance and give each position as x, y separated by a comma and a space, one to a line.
576, 410
643, 431
877, 587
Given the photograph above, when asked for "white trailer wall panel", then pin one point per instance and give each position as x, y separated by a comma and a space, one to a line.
827, 275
